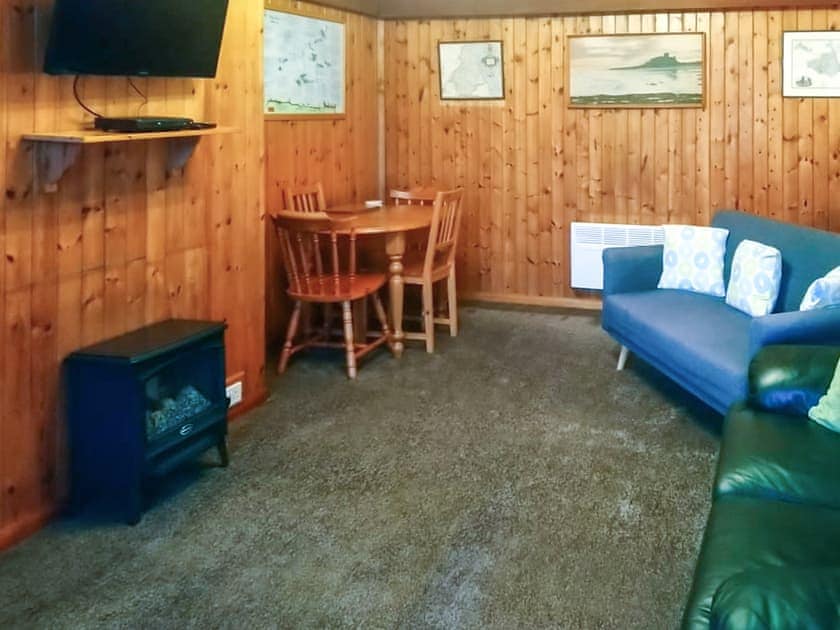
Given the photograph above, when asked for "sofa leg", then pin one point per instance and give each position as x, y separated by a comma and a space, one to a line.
622, 358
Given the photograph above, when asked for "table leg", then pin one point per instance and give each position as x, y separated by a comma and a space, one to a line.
395, 248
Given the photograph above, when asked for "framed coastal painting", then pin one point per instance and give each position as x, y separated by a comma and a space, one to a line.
647, 70
304, 66
471, 71
811, 63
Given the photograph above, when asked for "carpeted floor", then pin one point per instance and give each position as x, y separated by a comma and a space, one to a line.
511, 480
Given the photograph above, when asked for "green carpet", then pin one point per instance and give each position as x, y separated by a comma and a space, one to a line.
511, 480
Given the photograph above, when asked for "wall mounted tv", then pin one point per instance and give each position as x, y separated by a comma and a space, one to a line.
161, 38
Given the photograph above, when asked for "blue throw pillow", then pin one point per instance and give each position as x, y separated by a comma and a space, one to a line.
692, 259
756, 278
823, 292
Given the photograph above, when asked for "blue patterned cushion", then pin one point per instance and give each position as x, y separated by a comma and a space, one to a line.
693, 259
756, 278
823, 292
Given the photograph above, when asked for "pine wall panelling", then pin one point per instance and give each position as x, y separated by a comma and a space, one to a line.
531, 166
343, 154
122, 243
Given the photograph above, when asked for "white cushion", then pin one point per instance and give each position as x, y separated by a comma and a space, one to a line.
823, 292
693, 259
755, 279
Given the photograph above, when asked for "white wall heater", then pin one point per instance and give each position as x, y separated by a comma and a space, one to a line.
589, 240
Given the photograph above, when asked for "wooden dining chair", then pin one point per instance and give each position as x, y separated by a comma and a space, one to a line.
413, 197
306, 198
321, 268
437, 265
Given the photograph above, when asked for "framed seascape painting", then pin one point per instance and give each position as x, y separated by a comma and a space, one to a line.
811, 63
648, 70
471, 71
304, 66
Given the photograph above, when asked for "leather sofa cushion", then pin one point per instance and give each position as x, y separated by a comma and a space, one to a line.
778, 457
791, 379
695, 339
744, 534
778, 598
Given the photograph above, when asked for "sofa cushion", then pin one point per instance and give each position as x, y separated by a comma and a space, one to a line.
692, 259
695, 339
756, 275
823, 292
778, 457
827, 412
745, 534
807, 254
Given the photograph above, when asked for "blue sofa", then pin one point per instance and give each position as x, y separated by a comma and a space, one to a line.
699, 341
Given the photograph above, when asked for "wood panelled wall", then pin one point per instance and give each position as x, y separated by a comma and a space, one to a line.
530, 165
122, 243
342, 154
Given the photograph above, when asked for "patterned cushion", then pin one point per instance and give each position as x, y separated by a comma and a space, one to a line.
827, 412
693, 259
823, 292
756, 278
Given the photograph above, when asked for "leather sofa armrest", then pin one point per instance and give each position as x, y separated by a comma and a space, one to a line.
778, 597
630, 269
791, 379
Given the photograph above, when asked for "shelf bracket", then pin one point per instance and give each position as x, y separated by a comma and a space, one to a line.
180, 151
54, 159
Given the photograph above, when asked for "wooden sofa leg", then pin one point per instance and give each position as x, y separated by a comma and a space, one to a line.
622, 358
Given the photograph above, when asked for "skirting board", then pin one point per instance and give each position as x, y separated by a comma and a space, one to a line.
589, 304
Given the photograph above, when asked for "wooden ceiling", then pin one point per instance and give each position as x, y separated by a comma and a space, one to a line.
404, 9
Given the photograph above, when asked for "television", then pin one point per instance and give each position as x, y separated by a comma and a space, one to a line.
159, 38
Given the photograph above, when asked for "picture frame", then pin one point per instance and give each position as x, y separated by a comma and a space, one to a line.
305, 65
630, 70
471, 70
810, 65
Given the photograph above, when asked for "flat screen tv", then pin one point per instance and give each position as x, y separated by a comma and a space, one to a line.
160, 38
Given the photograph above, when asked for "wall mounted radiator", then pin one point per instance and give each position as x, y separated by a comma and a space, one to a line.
589, 240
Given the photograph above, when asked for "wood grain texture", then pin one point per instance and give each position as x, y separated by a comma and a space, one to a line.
530, 166
122, 243
342, 154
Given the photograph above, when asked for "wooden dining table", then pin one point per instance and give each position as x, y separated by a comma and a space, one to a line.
394, 223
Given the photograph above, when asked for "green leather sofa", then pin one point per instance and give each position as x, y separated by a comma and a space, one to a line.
770, 556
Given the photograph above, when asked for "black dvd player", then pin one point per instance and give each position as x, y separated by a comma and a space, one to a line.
143, 124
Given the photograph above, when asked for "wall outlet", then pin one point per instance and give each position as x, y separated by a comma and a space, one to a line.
234, 393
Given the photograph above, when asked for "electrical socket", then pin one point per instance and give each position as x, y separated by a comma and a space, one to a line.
234, 393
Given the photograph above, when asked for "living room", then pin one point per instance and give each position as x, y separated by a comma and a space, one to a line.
485, 465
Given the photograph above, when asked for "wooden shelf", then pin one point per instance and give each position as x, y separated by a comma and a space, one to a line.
58, 151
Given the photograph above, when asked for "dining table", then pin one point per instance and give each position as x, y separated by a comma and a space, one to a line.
394, 223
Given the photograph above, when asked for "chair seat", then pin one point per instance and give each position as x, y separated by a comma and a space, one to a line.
328, 288
413, 272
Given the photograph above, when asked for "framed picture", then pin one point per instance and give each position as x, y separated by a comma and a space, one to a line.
648, 70
811, 63
304, 66
471, 71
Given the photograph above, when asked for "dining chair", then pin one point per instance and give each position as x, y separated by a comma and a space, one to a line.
306, 198
413, 196
321, 268
437, 265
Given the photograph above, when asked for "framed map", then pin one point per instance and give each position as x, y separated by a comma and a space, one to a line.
635, 71
304, 67
811, 63
471, 71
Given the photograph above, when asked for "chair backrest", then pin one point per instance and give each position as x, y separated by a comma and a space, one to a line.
314, 254
413, 197
306, 198
443, 234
